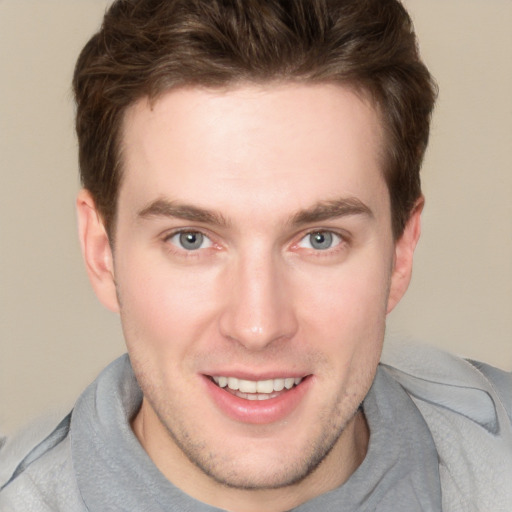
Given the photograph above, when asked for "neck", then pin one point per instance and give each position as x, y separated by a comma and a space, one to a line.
335, 469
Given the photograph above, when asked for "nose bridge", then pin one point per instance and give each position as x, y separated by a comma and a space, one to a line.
259, 310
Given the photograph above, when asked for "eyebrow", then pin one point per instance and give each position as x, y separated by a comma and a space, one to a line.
321, 211
165, 208
326, 210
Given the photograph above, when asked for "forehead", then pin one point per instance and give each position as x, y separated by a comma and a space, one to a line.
258, 143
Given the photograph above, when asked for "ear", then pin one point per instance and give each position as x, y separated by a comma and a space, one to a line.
96, 250
404, 251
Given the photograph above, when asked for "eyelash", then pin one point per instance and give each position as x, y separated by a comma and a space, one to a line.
344, 240
181, 250
343, 243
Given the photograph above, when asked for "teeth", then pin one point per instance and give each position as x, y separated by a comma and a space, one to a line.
264, 386
233, 383
247, 386
288, 383
259, 386
278, 384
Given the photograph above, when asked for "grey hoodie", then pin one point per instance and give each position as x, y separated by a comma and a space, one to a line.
92, 461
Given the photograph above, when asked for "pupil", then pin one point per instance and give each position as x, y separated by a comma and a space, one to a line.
191, 241
321, 240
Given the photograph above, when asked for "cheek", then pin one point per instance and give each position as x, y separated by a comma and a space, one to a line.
347, 306
163, 308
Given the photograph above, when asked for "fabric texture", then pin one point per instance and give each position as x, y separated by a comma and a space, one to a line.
436, 422
467, 407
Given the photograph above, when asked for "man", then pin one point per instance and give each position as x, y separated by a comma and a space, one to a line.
251, 206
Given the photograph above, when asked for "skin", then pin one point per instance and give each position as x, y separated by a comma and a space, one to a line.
255, 169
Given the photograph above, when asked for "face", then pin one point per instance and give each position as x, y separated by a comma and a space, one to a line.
253, 268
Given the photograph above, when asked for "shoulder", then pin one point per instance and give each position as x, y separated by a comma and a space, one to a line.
429, 365
467, 408
36, 470
17, 446
501, 381
434, 378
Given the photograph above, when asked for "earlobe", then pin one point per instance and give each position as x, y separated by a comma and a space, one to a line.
96, 250
404, 252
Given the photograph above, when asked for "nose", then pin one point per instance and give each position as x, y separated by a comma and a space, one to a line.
259, 308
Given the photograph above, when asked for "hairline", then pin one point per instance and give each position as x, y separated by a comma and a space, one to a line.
361, 90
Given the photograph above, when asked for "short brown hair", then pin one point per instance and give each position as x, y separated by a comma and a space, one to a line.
147, 47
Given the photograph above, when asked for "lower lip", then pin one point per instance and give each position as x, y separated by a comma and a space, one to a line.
258, 412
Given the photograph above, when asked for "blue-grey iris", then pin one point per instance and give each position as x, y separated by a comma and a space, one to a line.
321, 240
191, 240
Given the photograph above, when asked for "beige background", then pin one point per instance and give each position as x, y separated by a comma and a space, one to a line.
55, 337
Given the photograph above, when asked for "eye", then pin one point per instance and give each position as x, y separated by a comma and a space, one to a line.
190, 240
320, 240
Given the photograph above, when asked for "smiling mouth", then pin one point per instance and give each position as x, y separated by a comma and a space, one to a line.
256, 389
